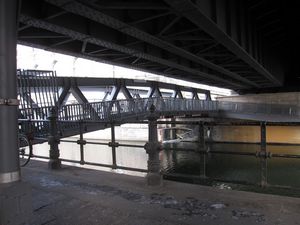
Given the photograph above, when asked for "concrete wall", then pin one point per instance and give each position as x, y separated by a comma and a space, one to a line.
289, 98
275, 134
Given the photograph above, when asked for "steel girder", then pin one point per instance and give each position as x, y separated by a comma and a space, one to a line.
183, 39
75, 35
97, 16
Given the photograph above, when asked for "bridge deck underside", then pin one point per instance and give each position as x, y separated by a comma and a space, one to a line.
173, 38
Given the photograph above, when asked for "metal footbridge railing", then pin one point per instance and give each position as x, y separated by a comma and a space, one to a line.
108, 112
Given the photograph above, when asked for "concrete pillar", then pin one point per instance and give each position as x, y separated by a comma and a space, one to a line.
15, 196
154, 177
53, 140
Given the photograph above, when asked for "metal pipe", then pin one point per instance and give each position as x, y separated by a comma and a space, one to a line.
9, 159
133, 146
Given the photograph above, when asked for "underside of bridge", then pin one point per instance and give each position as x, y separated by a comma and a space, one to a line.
247, 46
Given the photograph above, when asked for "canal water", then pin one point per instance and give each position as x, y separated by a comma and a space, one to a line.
241, 169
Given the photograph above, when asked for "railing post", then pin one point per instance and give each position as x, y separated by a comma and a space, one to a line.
263, 154
53, 140
82, 143
113, 144
154, 177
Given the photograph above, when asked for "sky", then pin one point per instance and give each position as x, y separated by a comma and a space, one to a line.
65, 65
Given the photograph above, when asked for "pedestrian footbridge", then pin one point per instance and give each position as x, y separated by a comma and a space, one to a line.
41, 101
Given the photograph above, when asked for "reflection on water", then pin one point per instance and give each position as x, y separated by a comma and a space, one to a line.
233, 168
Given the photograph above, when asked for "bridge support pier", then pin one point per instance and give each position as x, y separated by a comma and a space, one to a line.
154, 177
15, 195
53, 141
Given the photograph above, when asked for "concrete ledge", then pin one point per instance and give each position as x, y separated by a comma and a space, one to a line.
15, 204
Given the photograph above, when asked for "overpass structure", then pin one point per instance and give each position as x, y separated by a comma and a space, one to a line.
247, 46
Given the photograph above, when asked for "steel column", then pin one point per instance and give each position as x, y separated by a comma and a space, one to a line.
154, 177
53, 140
15, 196
9, 159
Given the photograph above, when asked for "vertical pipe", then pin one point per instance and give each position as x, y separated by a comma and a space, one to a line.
113, 147
9, 159
263, 154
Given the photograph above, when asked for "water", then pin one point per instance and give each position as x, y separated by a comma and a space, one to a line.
237, 172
